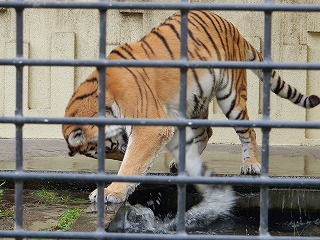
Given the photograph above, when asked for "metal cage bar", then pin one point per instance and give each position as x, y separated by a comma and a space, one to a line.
182, 115
101, 114
18, 195
265, 181
264, 196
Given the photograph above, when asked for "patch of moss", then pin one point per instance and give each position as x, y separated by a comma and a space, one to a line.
6, 213
51, 197
65, 220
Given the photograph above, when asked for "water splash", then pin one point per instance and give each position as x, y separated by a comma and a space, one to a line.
216, 203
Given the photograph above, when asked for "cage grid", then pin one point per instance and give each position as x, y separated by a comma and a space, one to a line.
264, 181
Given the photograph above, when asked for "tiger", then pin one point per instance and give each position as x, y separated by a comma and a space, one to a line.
150, 92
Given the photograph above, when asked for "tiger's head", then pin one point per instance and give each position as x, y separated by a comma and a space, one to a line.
83, 139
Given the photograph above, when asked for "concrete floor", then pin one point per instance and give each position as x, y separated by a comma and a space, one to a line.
52, 155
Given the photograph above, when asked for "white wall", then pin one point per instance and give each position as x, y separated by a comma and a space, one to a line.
73, 34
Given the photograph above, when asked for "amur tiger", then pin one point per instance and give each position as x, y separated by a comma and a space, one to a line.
154, 93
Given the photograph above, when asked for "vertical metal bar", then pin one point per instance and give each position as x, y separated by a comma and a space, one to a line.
101, 103
182, 114
264, 191
19, 127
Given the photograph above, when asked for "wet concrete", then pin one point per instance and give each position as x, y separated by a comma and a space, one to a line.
51, 155
88, 220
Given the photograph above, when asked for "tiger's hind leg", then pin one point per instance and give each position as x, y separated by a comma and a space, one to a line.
194, 164
233, 102
217, 200
202, 136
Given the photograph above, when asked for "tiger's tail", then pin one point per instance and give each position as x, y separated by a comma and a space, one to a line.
279, 86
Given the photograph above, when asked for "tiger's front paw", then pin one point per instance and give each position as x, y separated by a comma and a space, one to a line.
250, 167
109, 196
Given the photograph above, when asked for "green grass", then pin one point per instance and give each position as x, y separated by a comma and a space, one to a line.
4, 213
51, 197
65, 220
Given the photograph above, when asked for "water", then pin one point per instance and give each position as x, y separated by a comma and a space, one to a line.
290, 213
155, 212
141, 219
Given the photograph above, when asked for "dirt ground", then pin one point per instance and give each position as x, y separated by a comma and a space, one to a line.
37, 214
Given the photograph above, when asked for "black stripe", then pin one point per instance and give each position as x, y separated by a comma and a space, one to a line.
289, 92
118, 53
227, 95
298, 99
190, 54
201, 135
294, 93
279, 87
240, 115
196, 102
136, 80
226, 46
243, 131
128, 52
189, 141
128, 46
305, 102
83, 96
173, 29
165, 43
145, 51
276, 89
193, 24
190, 34
197, 81
152, 94
205, 47
231, 108
147, 44
92, 80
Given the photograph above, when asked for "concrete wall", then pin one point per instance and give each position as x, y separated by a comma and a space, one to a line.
73, 34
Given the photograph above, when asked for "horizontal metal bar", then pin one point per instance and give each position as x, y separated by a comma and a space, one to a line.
161, 122
159, 63
122, 236
164, 179
162, 6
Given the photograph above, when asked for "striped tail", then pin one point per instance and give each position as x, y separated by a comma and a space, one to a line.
279, 86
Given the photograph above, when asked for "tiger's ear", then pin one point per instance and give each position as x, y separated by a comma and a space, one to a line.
76, 138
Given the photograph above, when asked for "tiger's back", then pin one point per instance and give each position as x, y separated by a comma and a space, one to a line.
154, 93
207, 41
